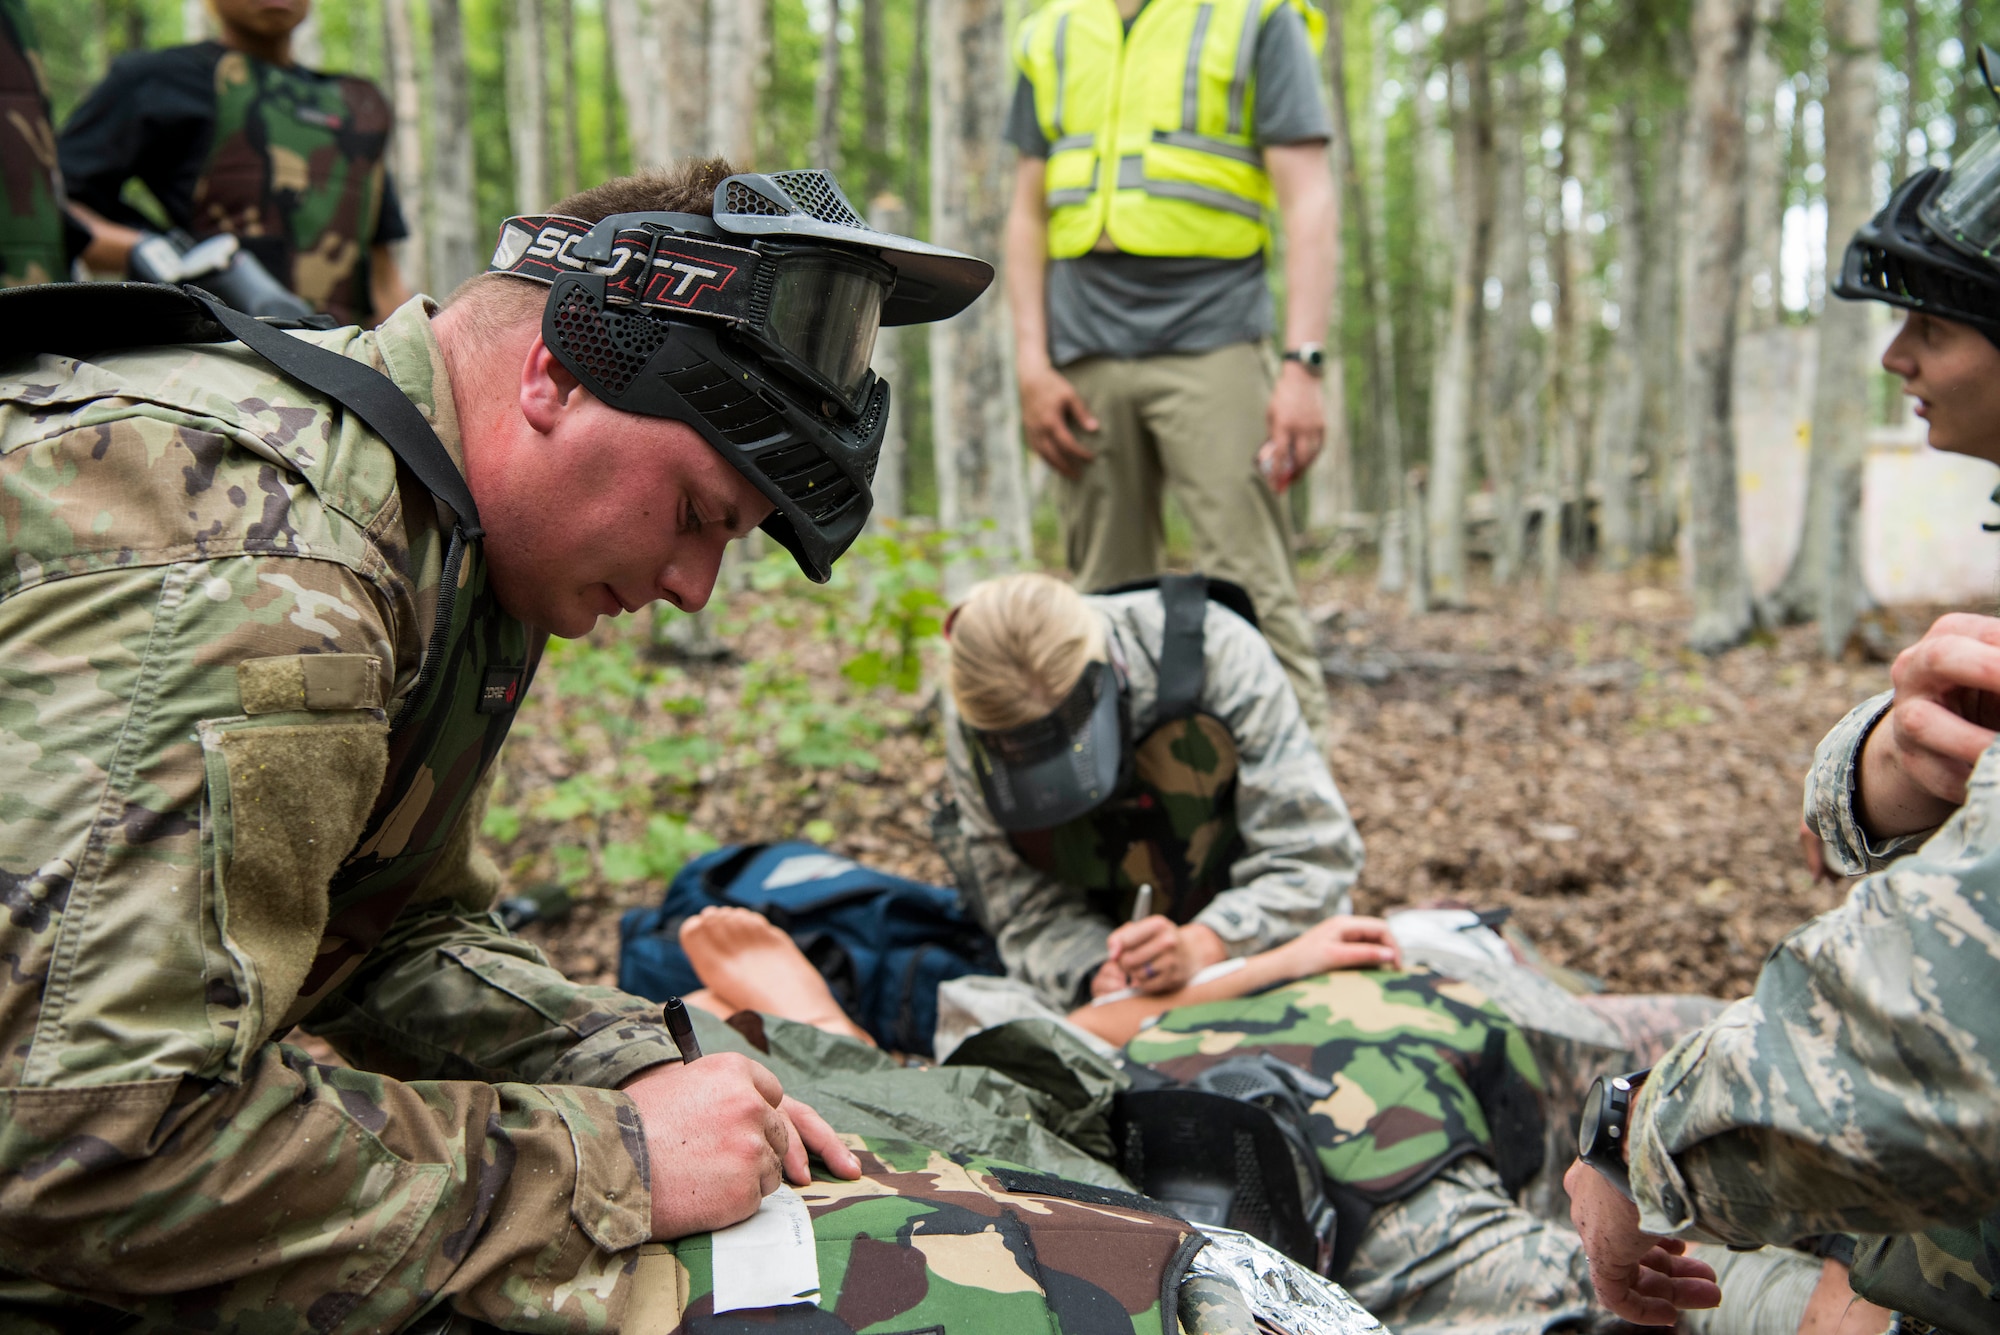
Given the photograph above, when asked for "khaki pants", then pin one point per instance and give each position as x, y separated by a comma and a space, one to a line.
1193, 422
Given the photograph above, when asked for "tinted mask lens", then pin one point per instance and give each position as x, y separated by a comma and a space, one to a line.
1058, 767
824, 315
1965, 210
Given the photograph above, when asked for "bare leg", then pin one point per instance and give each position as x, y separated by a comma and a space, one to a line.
748, 964
711, 1003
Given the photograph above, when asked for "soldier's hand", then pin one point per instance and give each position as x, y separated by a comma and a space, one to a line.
1640, 1276
1109, 978
1296, 421
1050, 406
721, 1136
1159, 957
1916, 761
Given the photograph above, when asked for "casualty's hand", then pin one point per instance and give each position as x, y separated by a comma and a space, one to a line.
1916, 761
1156, 956
1642, 1277
1344, 942
1109, 978
1295, 425
721, 1135
1049, 407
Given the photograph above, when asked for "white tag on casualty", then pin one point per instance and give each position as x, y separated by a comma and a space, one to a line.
769, 1259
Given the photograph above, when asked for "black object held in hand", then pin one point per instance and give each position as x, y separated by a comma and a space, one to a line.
681, 1029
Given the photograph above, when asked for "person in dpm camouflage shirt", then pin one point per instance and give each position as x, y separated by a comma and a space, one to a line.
1149, 738
1856, 1091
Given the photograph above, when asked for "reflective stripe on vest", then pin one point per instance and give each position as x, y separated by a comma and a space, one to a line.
1149, 131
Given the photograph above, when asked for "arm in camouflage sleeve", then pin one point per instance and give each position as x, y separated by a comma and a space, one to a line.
1830, 795
1855, 1090
1302, 852
1047, 934
165, 863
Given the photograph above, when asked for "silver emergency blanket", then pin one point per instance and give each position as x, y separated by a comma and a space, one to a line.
1237, 1284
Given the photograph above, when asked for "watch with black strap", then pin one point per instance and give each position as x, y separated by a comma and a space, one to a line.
1312, 356
1605, 1127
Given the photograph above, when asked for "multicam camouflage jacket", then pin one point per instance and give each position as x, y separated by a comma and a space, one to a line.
32, 248
1299, 851
214, 595
1855, 1090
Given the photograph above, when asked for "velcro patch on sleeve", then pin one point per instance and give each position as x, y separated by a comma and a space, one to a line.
312, 682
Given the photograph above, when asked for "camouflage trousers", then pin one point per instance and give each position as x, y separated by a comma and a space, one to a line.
1459, 1257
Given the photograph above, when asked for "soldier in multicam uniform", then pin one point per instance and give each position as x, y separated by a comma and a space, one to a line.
38, 239
232, 136
1148, 738
1855, 1091
255, 678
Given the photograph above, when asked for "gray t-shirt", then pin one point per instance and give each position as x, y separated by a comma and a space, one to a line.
1106, 304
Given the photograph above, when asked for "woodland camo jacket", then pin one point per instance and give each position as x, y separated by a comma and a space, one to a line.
167, 516
1856, 1090
1301, 850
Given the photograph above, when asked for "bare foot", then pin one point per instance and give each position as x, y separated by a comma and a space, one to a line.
750, 965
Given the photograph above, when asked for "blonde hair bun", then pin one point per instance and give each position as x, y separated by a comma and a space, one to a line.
1019, 643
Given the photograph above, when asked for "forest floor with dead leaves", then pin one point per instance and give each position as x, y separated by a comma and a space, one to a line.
1634, 804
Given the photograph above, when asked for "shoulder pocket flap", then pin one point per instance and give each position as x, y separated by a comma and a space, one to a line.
314, 682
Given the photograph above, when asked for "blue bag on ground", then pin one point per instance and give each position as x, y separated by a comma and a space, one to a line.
883, 943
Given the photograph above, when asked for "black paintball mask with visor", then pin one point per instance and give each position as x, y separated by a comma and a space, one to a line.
1063, 765
1935, 247
755, 327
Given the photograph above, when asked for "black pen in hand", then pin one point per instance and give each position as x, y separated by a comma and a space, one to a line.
681, 1028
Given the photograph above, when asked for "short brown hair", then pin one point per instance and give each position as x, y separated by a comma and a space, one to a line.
499, 301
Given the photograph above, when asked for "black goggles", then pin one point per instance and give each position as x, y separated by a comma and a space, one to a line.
1059, 767
811, 311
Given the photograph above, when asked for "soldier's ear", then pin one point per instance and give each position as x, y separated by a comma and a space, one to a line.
547, 387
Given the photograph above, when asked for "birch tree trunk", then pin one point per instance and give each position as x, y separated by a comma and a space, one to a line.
975, 420
195, 26
735, 73
917, 104
456, 245
1616, 446
1371, 232
1724, 611
1453, 382
1913, 79
875, 95
1824, 579
1662, 431
886, 213
826, 95
1765, 174
528, 106
1330, 484
1507, 377
406, 145
632, 27
1569, 370
683, 27
570, 158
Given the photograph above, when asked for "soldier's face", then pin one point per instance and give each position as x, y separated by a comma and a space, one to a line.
1953, 372
590, 512
266, 18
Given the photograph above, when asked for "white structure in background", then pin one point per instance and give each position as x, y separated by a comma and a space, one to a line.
1921, 509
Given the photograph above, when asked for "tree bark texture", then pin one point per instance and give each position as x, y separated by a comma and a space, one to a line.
1662, 432
1569, 266
1370, 232
684, 41
1765, 179
736, 49
1453, 382
406, 145
1824, 579
826, 95
457, 245
632, 27
1913, 83
1507, 377
886, 213
875, 93
974, 410
528, 105
1617, 445
1724, 611
570, 156
1331, 481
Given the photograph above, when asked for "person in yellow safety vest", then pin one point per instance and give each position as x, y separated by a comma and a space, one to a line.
1157, 139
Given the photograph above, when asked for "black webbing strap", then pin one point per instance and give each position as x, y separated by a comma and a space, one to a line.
365, 392
1184, 598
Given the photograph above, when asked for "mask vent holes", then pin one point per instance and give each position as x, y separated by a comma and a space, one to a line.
816, 194
610, 347
1250, 1211
740, 198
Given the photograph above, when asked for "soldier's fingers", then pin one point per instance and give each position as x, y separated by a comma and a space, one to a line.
816, 1136
1948, 661
1073, 406
1926, 726
1349, 955
1969, 624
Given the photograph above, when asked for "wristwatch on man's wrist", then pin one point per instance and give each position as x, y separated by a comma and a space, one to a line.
1605, 1127
1312, 356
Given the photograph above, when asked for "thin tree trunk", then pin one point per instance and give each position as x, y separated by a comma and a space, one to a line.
307, 47
406, 146
528, 105
875, 95
455, 250
1453, 381
975, 418
1507, 378
610, 97
1331, 483
1971, 93
1371, 232
632, 27
1724, 611
1662, 432
1913, 79
886, 213
1569, 368
1824, 579
735, 76
569, 160
1765, 175
195, 26
917, 103
826, 95
1617, 442
683, 25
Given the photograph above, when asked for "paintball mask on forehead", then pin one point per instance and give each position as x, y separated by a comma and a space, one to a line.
1058, 767
755, 327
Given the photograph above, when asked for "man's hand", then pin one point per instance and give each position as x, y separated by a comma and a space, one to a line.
1644, 1278
1049, 406
1157, 956
1296, 423
1916, 761
721, 1135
